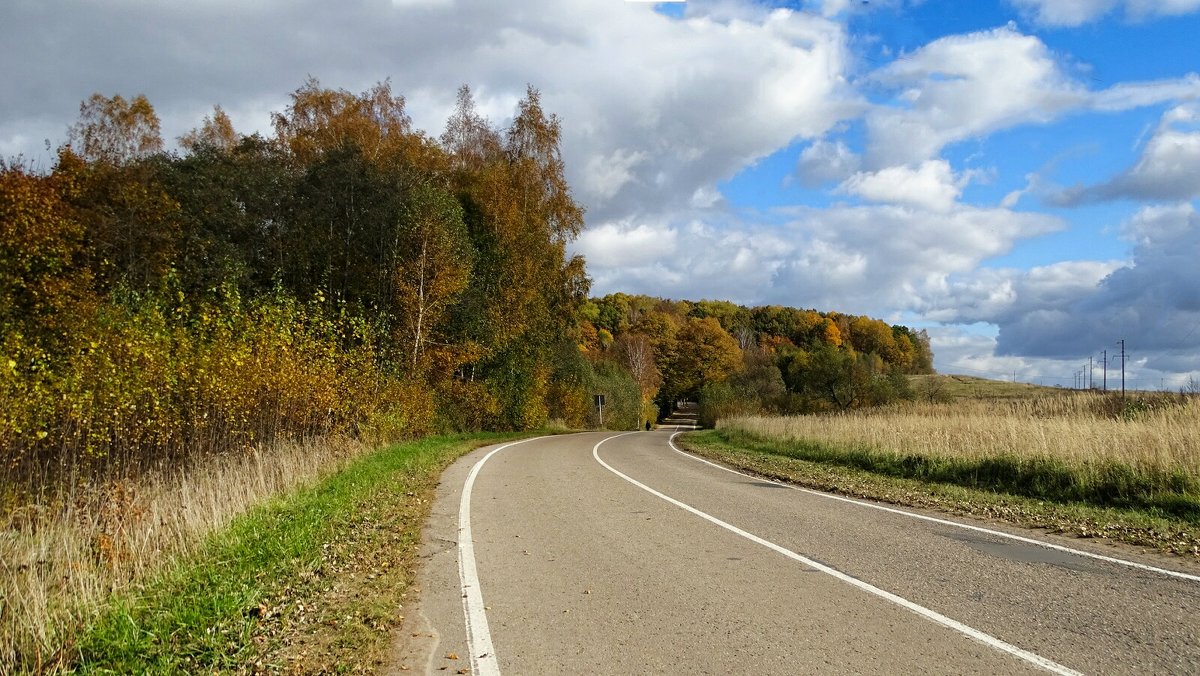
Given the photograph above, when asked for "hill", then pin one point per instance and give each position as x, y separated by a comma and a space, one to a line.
953, 387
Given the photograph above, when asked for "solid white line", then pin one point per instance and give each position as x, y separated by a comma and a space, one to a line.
947, 522
479, 636
934, 616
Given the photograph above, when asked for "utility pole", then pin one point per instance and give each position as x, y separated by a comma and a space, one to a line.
1122, 368
1105, 370
1091, 380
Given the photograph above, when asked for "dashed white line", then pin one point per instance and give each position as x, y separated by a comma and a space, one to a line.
479, 635
947, 522
934, 616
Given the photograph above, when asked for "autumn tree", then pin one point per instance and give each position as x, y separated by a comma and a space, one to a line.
216, 131
533, 149
635, 352
756, 387
469, 139
42, 281
237, 208
320, 120
432, 264
705, 353
526, 293
844, 379
114, 130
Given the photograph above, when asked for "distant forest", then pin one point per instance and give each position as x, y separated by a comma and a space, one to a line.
352, 275
738, 360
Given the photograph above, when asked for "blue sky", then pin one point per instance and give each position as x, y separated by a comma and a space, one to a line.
1018, 177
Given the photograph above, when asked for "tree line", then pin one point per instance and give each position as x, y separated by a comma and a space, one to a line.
346, 274
736, 360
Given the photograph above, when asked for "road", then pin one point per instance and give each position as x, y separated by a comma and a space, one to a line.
604, 554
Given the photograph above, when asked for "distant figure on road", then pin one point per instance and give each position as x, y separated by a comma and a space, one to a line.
647, 425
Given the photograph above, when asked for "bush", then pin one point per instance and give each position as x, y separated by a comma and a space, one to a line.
622, 396
158, 382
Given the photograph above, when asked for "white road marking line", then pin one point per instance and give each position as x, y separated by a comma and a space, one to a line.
986, 639
947, 522
479, 636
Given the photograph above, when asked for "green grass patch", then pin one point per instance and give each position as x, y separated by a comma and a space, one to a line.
1109, 484
312, 581
1010, 491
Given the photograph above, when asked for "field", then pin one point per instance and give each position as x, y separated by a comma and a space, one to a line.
946, 388
1139, 455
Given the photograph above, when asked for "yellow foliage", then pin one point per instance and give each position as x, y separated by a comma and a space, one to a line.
158, 384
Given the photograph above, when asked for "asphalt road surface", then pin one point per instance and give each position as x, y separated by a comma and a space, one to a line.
603, 554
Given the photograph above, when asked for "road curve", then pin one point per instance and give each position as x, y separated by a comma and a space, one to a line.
599, 553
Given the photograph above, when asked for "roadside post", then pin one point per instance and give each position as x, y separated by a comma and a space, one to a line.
600, 405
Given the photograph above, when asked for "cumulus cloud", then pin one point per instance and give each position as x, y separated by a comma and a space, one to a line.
615, 245
653, 108
962, 86
970, 85
1001, 296
824, 162
607, 174
1167, 169
930, 185
870, 259
1078, 12
1076, 308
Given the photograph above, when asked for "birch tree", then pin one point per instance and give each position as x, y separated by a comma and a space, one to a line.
432, 265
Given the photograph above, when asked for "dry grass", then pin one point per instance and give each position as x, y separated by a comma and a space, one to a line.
1075, 429
59, 560
953, 387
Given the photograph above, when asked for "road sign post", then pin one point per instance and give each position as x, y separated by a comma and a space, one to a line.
600, 405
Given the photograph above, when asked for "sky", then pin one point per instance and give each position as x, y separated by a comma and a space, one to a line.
1020, 178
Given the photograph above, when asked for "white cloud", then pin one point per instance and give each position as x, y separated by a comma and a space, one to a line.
931, 185
1166, 223
824, 162
1150, 8
1002, 296
1167, 169
870, 259
604, 176
1078, 12
965, 86
962, 86
1076, 308
1065, 12
616, 245
657, 112
665, 106
1127, 95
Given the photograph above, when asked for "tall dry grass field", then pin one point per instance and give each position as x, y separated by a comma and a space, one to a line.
59, 560
1155, 441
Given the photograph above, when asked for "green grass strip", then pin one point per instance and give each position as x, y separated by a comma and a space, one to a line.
1144, 528
235, 605
1173, 495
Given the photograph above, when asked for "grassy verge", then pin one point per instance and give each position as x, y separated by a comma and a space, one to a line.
825, 467
310, 582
